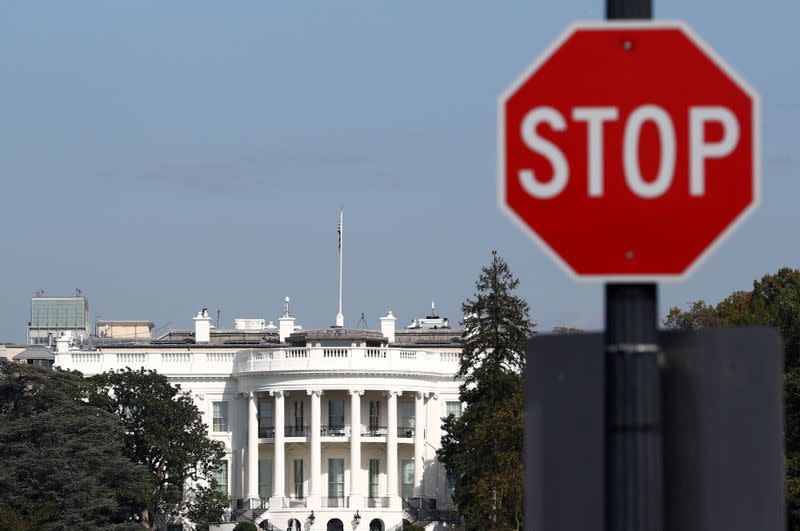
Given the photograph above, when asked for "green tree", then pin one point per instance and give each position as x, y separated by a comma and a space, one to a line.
208, 506
164, 431
774, 301
62, 461
482, 449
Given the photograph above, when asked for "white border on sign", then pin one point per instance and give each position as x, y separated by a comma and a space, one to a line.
639, 25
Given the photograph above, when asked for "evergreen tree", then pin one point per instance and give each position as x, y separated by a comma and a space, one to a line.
164, 431
62, 463
482, 450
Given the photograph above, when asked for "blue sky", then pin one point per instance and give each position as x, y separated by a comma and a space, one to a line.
168, 156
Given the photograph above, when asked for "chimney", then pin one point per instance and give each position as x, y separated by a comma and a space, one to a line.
286, 322
202, 327
388, 326
63, 341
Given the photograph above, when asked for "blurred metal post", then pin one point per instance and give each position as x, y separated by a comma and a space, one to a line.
633, 453
636, 9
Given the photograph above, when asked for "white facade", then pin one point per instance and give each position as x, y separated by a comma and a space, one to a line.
337, 427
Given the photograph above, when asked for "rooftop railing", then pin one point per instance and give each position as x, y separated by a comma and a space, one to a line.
311, 359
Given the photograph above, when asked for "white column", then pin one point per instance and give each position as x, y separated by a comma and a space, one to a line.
356, 494
419, 443
313, 499
252, 446
278, 463
391, 450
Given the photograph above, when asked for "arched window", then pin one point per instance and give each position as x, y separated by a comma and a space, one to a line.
334, 524
376, 525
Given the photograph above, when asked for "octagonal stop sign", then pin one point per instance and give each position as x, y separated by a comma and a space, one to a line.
628, 150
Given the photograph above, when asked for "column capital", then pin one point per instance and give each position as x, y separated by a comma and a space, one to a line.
277, 393
359, 392
419, 395
433, 394
313, 392
390, 393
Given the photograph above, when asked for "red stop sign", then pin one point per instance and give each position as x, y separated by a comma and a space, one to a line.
628, 150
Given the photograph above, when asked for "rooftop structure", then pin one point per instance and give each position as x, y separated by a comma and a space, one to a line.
50, 316
123, 329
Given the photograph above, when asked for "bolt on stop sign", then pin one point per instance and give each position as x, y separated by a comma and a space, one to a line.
628, 150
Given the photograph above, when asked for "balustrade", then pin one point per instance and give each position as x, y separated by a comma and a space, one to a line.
327, 501
378, 502
335, 430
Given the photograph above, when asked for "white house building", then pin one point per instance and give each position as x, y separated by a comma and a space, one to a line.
332, 429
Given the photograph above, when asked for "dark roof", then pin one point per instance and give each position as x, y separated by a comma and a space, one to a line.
427, 336
224, 336
335, 334
36, 353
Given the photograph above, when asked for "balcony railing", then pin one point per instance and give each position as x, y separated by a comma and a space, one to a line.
335, 430
268, 432
251, 503
378, 502
334, 502
405, 431
374, 431
292, 502
296, 431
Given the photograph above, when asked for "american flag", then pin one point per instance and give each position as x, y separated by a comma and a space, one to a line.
339, 230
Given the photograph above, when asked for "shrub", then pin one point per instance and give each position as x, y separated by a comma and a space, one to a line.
245, 526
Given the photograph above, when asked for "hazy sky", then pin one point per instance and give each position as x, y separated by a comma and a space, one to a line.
166, 156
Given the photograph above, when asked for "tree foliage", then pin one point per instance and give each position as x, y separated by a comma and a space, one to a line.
165, 432
774, 301
482, 449
208, 505
62, 461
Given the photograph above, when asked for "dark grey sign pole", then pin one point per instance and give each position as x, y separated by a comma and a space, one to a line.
633, 464
633, 460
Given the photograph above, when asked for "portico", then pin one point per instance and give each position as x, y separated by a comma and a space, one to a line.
352, 459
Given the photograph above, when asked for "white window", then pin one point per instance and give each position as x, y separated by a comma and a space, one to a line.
335, 414
374, 415
453, 408
374, 470
406, 427
220, 475
298, 478
265, 478
265, 416
298, 416
219, 416
407, 486
336, 478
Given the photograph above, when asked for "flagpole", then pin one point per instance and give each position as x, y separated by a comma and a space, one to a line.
340, 316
